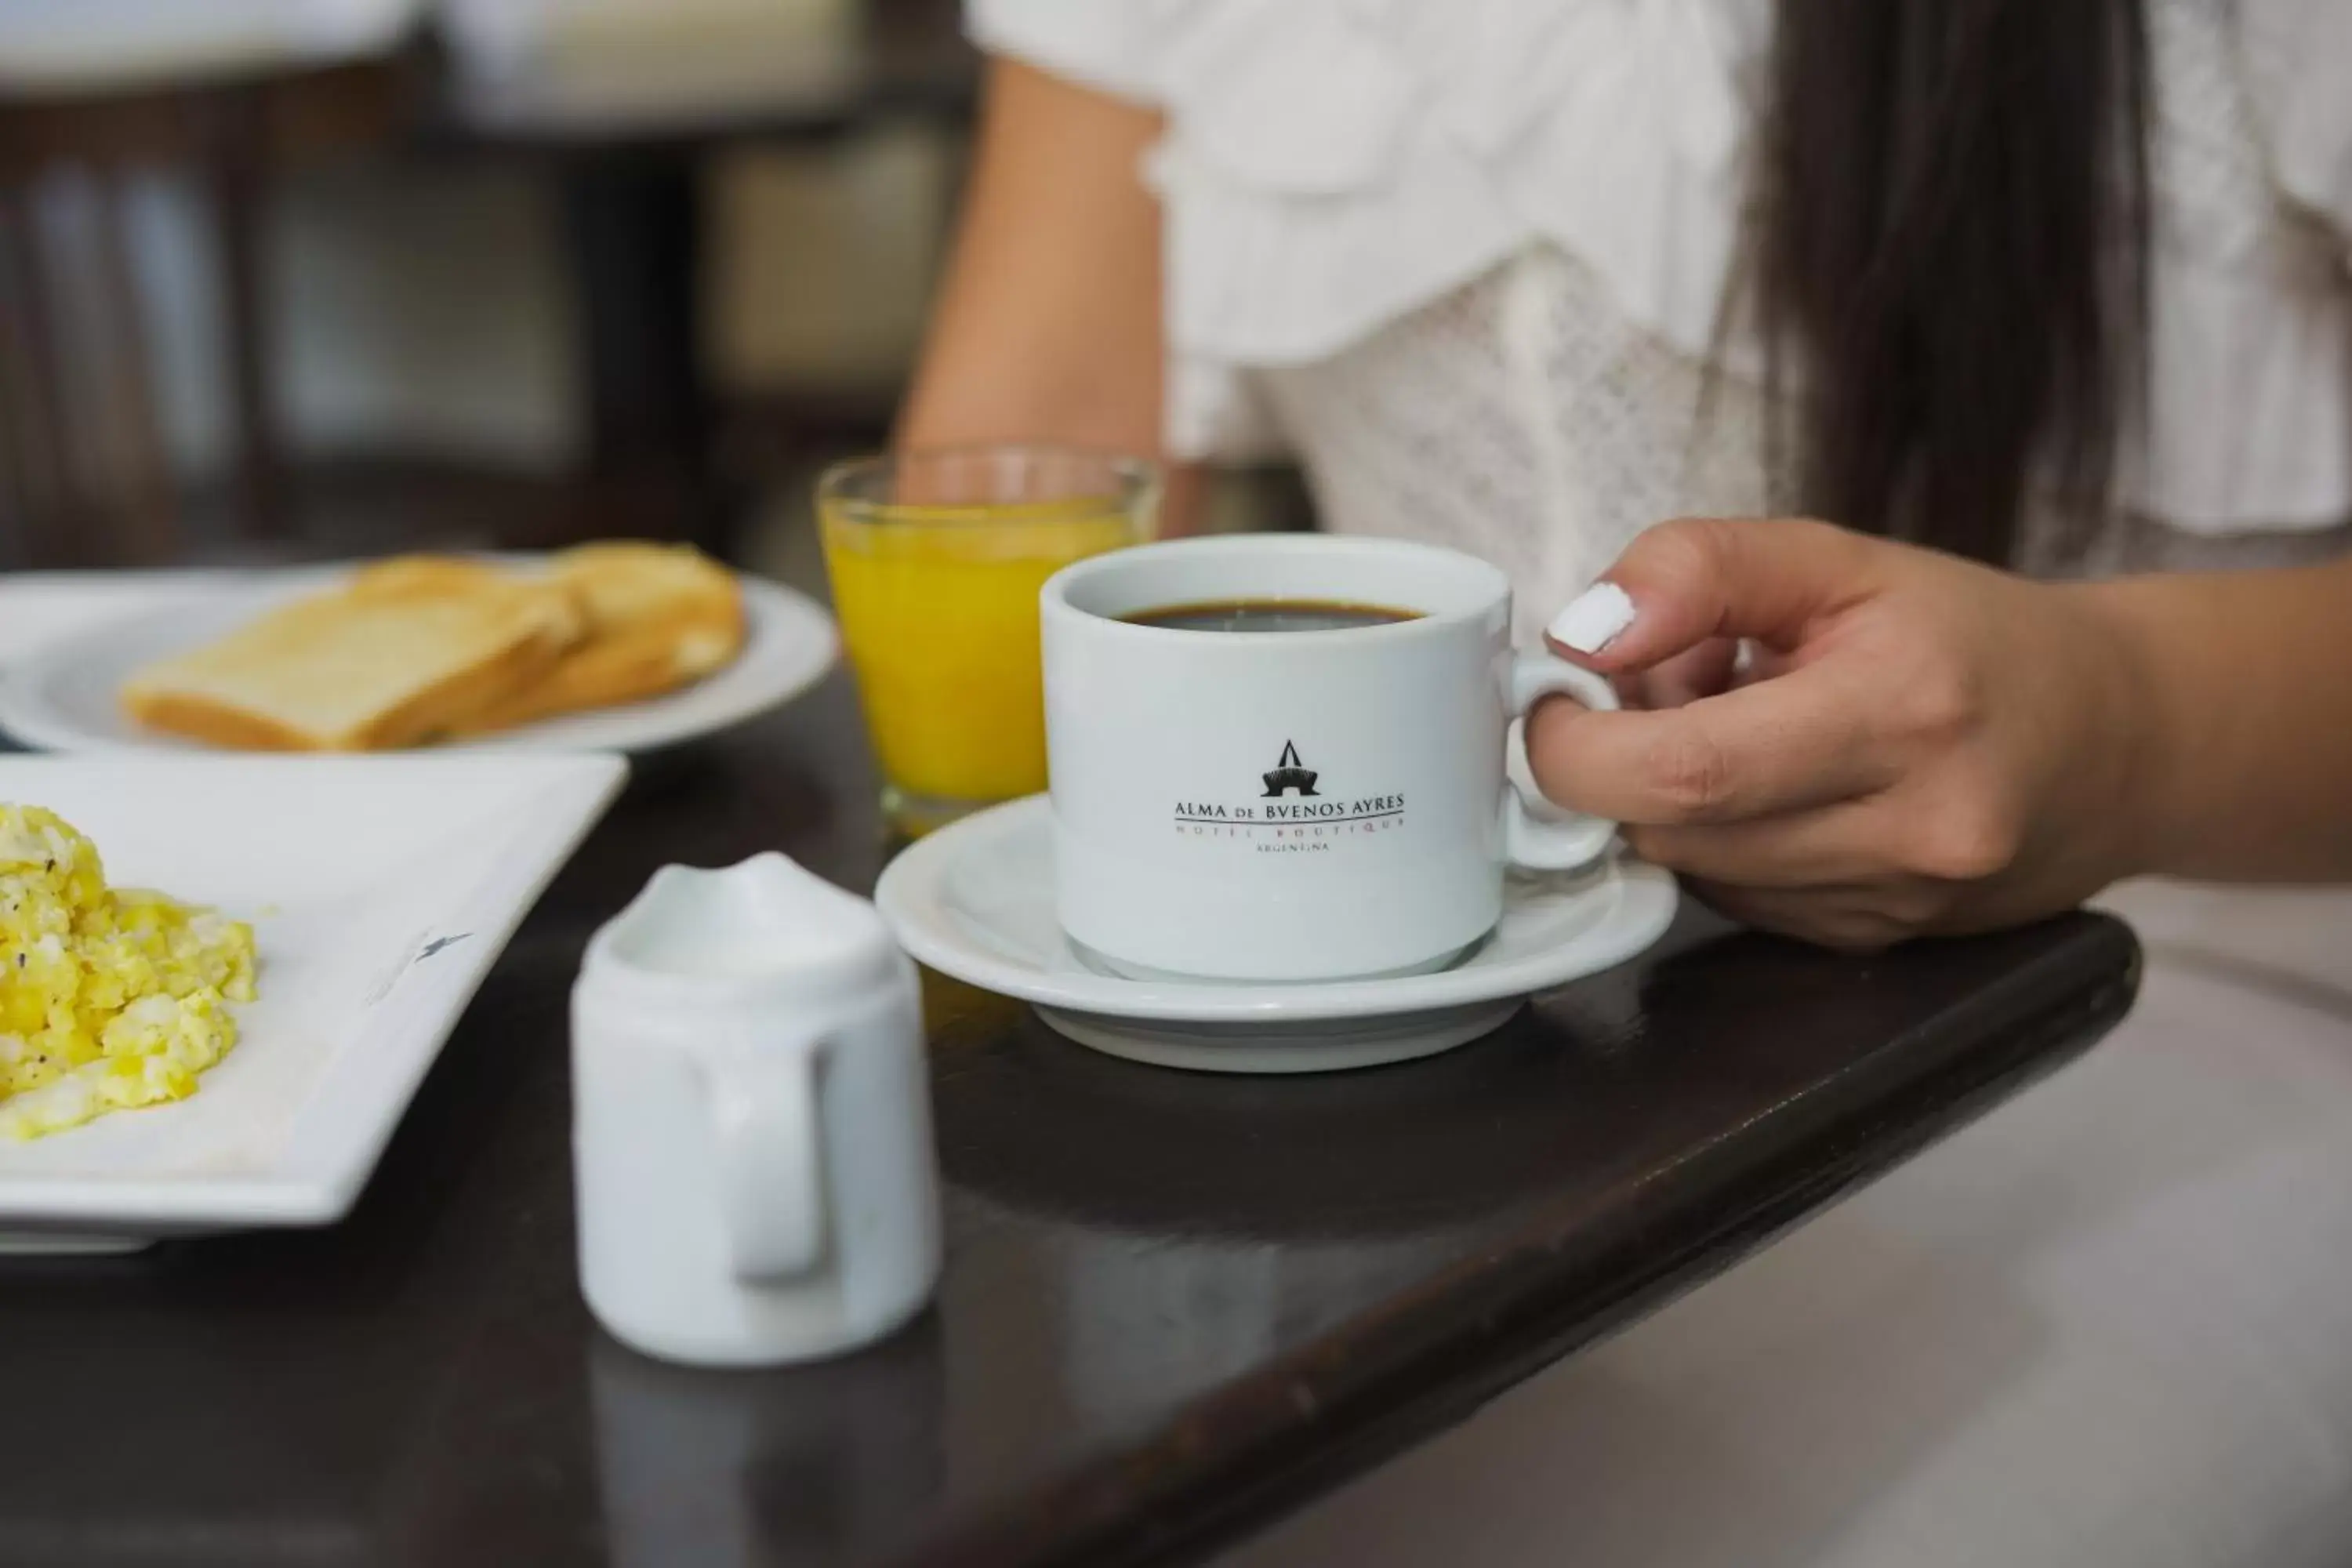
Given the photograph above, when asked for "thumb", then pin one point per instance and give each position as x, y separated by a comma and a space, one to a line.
1681, 584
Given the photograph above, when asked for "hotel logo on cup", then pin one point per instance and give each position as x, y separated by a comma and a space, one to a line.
1288, 776
1291, 814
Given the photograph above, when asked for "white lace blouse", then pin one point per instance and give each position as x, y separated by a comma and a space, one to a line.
1466, 260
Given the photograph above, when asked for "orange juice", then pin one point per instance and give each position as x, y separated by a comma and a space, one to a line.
939, 607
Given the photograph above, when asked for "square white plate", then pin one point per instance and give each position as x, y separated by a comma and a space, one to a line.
381, 890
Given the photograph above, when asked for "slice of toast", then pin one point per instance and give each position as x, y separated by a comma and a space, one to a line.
398, 655
659, 617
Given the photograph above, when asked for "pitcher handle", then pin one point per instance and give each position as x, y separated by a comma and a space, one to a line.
771, 1148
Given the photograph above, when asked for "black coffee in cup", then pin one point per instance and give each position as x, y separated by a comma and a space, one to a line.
1270, 616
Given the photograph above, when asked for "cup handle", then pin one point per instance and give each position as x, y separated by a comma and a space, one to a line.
771, 1149
1527, 840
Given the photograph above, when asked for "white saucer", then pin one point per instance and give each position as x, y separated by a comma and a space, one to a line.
975, 901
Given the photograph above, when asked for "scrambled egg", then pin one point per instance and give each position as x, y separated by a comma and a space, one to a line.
109, 997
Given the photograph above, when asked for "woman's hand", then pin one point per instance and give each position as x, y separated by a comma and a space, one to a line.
1917, 745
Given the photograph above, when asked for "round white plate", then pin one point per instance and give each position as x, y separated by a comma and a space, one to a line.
975, 901
61, 696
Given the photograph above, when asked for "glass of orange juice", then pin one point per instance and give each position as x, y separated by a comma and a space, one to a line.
936, 560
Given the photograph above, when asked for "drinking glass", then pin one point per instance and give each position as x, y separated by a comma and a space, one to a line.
936, 559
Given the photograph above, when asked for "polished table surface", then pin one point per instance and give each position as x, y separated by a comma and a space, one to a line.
1174, 1305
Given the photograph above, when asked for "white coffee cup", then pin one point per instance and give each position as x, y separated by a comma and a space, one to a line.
751, 1131
1292, 805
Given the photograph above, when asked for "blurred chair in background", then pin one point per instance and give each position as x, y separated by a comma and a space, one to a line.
92, 94
453, 272
753, 194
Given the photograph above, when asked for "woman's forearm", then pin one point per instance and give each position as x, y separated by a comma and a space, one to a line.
2246, 695
1048, 326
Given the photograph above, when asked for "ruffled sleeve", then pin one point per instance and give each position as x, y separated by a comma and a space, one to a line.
1331, 164
2298, 55
1111, 45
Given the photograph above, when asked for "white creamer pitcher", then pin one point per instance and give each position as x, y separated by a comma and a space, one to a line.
751, 1131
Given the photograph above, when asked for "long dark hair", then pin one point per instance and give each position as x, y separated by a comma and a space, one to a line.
1951, 254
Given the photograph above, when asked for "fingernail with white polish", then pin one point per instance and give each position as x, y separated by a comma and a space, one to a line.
1593, 619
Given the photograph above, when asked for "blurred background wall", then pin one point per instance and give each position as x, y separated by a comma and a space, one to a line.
291, 278
429, 312
423, 314
299, 278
